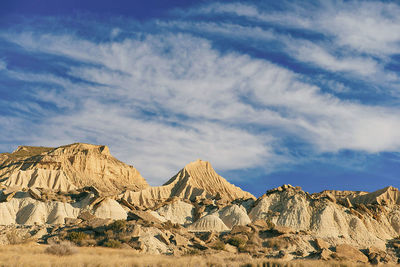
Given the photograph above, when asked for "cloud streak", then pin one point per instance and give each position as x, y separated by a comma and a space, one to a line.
165, 98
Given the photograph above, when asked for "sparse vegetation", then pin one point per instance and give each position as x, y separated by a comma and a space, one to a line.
276, 243
112, 243
77, 237
191, 252
118, 226
218, 245
63, 248
237, 242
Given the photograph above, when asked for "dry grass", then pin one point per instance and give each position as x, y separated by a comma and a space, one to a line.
64, 248
34, 255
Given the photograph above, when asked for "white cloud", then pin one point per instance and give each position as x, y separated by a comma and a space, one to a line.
361, 35
367, 26
194, 95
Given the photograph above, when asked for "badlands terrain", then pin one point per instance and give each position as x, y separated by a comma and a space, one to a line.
62, 203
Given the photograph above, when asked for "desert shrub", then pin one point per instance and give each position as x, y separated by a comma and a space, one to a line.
64, 248
14, 238
77, 237
191, 252
237, 242
112, 243
117, 226
276, 243
109, 234
218, 245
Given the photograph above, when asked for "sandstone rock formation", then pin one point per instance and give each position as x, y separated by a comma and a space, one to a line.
209, 222
196, 180
325, 218
81, 193
66, 167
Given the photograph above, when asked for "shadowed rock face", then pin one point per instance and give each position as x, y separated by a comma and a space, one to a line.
68, 167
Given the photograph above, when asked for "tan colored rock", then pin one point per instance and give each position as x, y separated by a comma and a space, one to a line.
11, 190
240, 229
233, 215
230, 248
388, 195
142, 215
261, 224
63, 168
348, 203
110, 209
35, 193
137, 230
95, 201
180, 240
209, 223
177, 212
331, 197
377, 256
197, 180
349, 253
99, 223
40, 178
325, 254
127, 204
164, 238
282, 230
40, 233
72, 221
321, 244
86, 216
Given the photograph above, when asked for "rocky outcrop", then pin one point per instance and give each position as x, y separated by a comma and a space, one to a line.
81, 193
196, 180
386, 196
68, 167
209, 222
233, 215
177, 212
325, 218
40, 178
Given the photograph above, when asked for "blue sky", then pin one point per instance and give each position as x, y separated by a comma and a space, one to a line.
299, 92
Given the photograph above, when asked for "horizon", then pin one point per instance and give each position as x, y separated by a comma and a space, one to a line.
172, 175
303, 93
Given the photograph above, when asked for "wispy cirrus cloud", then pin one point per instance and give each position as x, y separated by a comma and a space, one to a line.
355, 38
171, 96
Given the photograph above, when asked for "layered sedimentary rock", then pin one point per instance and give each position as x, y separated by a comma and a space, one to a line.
68, 167
364, 224
81, 187
196, 180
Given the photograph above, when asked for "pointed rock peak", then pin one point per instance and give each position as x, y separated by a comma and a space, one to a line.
200, 176
199, 164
